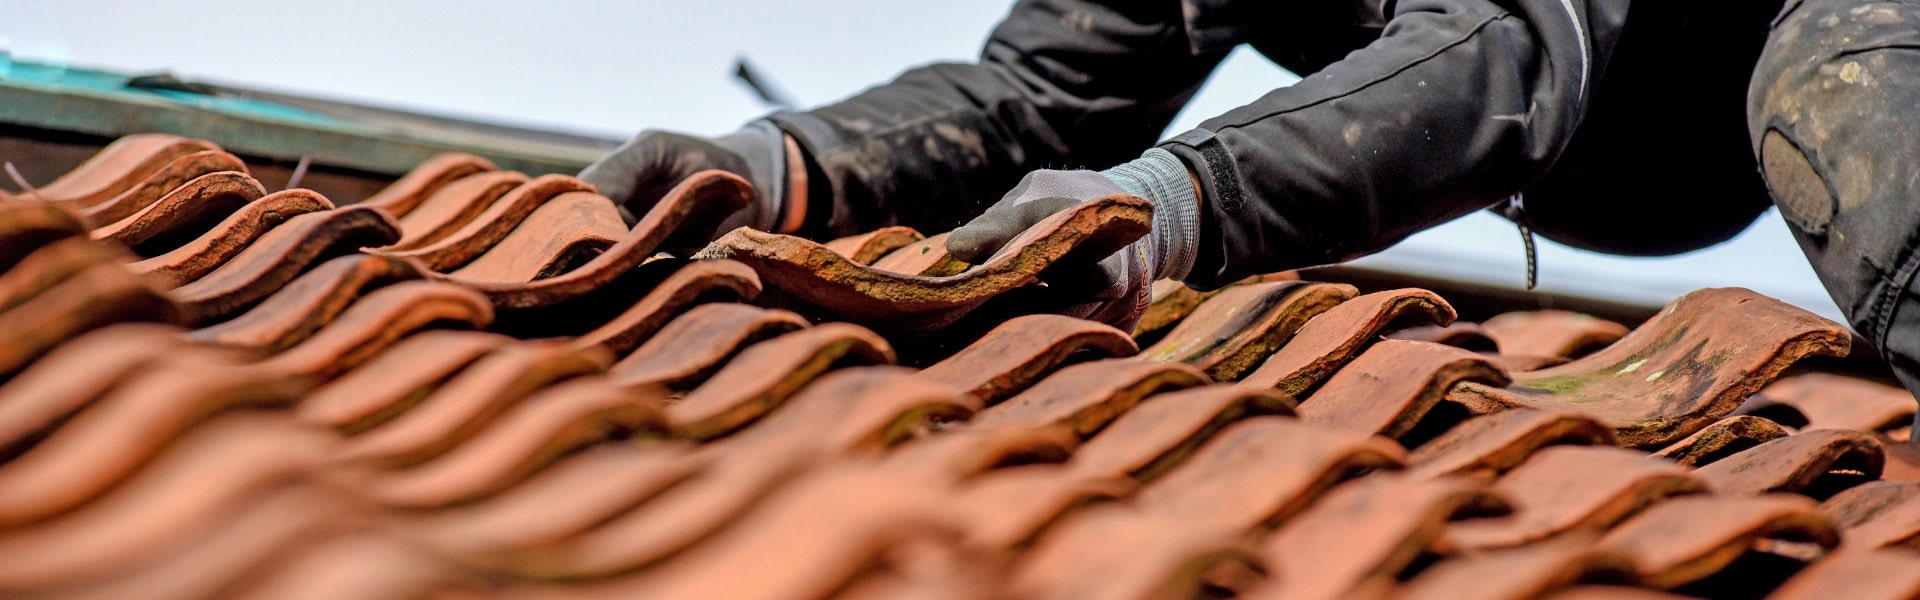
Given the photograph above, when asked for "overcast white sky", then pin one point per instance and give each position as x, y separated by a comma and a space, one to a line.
614, 67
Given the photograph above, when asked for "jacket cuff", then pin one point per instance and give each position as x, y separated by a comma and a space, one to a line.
1161, 178
761, 144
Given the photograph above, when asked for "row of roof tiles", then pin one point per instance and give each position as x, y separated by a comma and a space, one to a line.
481, 383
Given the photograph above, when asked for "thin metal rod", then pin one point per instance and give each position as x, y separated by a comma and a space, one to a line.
299, 172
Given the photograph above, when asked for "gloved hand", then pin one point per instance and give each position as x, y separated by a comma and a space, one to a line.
638, 173
1116, 289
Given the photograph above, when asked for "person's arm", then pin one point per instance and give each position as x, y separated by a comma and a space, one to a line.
1061, 83
1459, 104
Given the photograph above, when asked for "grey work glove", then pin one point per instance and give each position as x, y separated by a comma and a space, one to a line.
638, 173
1116, 289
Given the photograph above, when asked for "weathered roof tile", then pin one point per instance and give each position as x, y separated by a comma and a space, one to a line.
1233, 331
1684, 539
819, 276
1391, 386
1552, 333
1022, 350
1721, 439
1334, 337
870, 246
1365, 530
1697, 368
1569, 488
196, 258
1792, 463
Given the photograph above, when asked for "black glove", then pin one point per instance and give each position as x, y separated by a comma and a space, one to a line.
638, 173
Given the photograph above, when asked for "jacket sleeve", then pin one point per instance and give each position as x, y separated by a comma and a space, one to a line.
1060, 83
1459, 104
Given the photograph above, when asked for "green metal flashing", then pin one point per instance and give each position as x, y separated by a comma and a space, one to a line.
99, 102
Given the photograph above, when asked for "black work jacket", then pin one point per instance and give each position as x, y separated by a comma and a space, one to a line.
1620, 124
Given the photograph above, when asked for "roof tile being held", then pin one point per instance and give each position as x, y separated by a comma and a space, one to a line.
825, 280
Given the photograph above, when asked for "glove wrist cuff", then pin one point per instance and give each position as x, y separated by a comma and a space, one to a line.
763, 147
1159, 177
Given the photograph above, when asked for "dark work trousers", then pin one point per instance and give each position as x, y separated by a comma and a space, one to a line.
1834, 116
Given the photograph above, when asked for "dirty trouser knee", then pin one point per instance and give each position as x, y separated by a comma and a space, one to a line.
1834, 116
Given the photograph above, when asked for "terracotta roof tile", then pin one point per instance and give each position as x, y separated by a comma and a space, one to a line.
1792, 463
252, 535
118, 167
26, 227
49, 265
1392, 386
118, 433
1552, 333
1492, 444
1460, 334
1515, 363
1086, 396
1007, 507
150, 189
765, 374
870, 246
376, 321
394, 380
926, 258
453, 206
1876, 514
1262, 469
91, 298
555, 237
1826, 401
1110, 551
699, 203
572, 495
851, 513
1171, 301
1022, 350
1365, 530
744, 468
1160, 433
1685, 539
403, 195
693, 346
186, 489
1334, 337
74, 376
1570, 488
1863, 575
307, 303
205, 197
193, 259
1693, 376
453, 249
1233, 331
1721, 439
630, 423
1612, 592
823, 279
280, 255
1531, 571
367, 564
551, 423
467, 402
703, 281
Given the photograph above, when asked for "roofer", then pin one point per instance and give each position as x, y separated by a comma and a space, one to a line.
1615, 130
